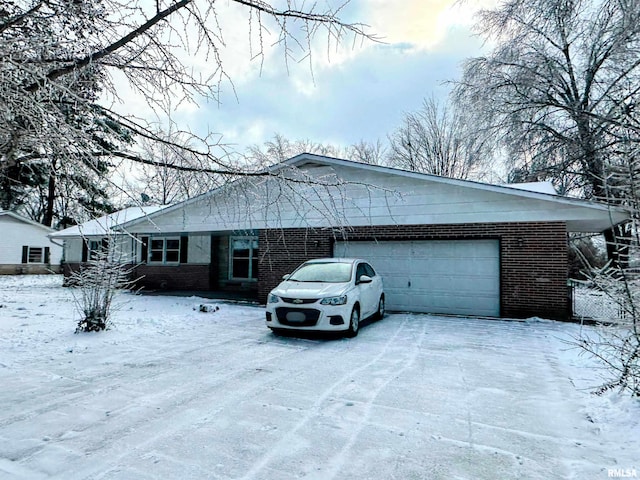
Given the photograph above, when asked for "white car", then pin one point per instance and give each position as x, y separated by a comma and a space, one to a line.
328, 294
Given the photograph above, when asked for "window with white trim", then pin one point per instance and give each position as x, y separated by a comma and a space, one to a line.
164, 250
243, 258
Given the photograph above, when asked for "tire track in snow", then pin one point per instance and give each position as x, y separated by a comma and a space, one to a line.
338, 461
188, 391
468, 421
286, 440
112, 446
101, 382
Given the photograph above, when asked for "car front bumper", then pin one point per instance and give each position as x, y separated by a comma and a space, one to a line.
329, 318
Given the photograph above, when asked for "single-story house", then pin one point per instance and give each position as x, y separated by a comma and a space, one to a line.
83, 242
442, 245
25, 247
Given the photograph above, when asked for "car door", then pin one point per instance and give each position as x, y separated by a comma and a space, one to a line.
368, 291
377, 281
378, 288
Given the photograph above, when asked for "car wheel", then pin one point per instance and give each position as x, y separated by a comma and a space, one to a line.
354, 323
277, 331
380, 312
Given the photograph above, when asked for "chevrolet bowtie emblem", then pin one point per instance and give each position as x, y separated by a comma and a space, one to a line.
297, 300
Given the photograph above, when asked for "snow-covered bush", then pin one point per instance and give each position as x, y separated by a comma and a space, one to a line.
616, 343
96, 285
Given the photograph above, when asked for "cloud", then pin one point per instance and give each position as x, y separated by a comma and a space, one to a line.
417, 22
362, 99
424, 24
340, 95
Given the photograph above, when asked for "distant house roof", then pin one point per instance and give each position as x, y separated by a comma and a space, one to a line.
539, 187
20, 218
103, 225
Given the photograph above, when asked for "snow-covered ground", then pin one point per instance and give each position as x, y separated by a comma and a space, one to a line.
172, 393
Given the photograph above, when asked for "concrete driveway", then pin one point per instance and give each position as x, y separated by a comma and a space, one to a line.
173, 393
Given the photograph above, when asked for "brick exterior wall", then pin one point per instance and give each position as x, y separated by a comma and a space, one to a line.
178, 277
29, 269
281, 251
533, 256
162, 277
69, 268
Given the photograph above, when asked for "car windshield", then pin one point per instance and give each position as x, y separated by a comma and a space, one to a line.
328, 272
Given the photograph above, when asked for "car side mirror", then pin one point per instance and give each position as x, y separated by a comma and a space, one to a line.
365, 279
286, 276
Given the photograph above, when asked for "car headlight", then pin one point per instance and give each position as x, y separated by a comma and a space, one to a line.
341, 300
273, 298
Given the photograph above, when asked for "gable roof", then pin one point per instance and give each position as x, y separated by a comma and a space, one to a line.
20, 218
606, 215
527, 190
102, 225
533, 190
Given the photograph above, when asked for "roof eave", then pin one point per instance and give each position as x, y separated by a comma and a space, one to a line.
26, 220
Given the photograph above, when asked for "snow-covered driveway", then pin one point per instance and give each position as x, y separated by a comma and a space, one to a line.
172, 393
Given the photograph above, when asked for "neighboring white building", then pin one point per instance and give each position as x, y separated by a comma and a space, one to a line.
25, 246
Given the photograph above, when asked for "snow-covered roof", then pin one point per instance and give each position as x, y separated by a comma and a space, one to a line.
102, 225
15, 216
539, 187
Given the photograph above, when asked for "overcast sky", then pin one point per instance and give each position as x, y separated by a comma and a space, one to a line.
355, 92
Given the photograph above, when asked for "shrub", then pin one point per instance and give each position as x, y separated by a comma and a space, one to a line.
96, 285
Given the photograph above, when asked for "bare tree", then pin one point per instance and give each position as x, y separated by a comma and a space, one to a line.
559, 89
59, 60
435, 140
616, 344
96, 286
281, 148
166, 183
373, 153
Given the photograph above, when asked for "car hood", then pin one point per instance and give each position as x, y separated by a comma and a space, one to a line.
293, 289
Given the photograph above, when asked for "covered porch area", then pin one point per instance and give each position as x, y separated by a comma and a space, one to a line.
221, 265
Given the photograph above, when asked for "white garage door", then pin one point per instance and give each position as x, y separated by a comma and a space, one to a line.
460, 277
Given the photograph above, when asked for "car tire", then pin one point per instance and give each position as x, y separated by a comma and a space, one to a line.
381, 306
278, 332
354, 323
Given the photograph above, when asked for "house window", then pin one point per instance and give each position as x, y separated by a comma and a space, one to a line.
35, 255
164, 250
243, 262
96, 247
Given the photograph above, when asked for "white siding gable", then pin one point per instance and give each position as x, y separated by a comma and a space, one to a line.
16, 233
346, 195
